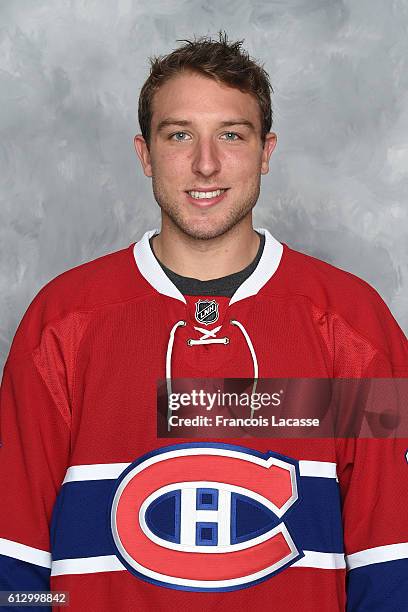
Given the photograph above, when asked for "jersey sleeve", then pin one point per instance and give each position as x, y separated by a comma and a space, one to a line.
373, 479
34, 434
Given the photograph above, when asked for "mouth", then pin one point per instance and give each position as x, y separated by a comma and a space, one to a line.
206, 198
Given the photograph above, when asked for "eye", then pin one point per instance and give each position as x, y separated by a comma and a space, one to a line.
231, 136
178, 136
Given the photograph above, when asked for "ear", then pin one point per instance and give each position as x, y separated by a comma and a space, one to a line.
143, 154
270, 144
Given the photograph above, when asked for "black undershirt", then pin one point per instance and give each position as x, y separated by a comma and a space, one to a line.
225, 286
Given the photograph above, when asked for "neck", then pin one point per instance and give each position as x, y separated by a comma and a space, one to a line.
224, 255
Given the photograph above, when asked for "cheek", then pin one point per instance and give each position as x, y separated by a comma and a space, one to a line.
241, 163
172, 163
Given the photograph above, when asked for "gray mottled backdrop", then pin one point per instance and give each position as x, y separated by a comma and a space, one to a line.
70, 185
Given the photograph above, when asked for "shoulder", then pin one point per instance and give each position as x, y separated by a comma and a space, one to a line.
340, 296
110, 279
324, 282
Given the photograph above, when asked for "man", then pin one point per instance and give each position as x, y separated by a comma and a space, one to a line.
123, 519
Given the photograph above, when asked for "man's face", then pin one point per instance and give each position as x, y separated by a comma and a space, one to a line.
205, 138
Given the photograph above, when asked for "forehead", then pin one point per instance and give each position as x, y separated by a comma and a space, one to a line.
198, 98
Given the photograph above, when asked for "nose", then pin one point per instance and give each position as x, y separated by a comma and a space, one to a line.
206, 159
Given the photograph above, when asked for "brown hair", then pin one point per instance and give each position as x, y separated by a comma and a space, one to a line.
222, 61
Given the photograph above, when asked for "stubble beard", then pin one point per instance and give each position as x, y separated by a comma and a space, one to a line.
203, 230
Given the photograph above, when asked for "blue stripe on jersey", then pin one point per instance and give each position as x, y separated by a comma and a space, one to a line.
16, 575
382, 587
81, 519
317, 522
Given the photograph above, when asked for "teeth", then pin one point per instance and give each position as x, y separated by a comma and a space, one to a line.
200, 195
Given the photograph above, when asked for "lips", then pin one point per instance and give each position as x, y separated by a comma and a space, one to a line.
199, 194
205, 202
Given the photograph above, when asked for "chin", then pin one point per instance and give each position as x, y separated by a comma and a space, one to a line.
204, 234
209, 226
206, 231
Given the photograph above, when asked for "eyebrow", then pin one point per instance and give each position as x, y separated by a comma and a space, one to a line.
184, 123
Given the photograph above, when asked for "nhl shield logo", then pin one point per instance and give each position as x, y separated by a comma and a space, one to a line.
207, 311
206, 516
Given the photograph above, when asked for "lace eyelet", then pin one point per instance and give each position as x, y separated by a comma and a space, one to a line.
189, 342
226, 340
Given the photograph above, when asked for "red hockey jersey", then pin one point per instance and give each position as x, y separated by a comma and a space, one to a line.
94, 503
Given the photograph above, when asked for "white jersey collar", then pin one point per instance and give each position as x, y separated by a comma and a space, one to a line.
151, 270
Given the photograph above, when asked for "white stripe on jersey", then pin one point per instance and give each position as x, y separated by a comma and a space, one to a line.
25, 553
110, 563
110, 471
320, 469
379, 554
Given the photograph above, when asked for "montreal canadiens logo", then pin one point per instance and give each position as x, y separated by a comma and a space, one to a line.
207, 311
205, 516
